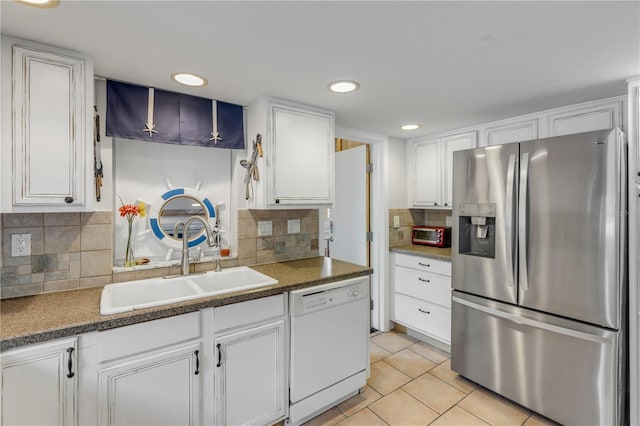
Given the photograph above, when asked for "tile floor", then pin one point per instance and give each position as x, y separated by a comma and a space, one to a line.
411, 383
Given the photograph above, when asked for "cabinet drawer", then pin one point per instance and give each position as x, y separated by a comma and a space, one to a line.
424, 285
138, 338
250, 312
424, 264
425, 317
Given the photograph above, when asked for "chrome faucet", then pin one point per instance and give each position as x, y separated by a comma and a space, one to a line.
213, 239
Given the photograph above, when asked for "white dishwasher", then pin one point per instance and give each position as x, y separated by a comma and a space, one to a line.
329, 346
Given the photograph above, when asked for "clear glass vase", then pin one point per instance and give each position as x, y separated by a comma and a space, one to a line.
129, 260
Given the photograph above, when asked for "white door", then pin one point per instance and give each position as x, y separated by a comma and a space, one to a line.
161, 389
39, 384
249, 376
349, 214
452, 144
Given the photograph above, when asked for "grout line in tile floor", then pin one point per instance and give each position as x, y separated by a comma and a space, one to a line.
412, 383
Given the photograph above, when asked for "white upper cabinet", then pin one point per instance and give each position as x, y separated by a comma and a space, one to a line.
426, 167
431, 162
50, 128
584, 117
450, 145
297, 167
512, 131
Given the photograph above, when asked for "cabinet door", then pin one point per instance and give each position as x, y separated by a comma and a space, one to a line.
427, 171
250, 376
518, 131
585, 118
301, 169
49, 128
36, 387
159, 389
450, 145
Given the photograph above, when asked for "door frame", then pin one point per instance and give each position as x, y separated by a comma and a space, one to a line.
379, 221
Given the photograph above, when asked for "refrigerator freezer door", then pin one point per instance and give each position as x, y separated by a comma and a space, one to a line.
571, 226
562, 369
484, 215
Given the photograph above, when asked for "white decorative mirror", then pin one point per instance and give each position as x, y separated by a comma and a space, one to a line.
176, 206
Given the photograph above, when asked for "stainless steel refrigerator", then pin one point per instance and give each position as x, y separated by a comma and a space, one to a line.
539, 284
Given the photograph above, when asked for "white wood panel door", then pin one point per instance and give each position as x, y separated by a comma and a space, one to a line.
596, 116
250, 376
48, 128
36, 387
427, 173
301, 170
159, 389
518, 131
349, 213
450, 145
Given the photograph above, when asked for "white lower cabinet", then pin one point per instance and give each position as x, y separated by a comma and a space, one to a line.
150, 373
39, 384
222, 366
250, 373
159, 389
422, 295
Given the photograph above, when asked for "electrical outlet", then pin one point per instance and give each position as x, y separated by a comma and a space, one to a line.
396, 222
293, 226
20, 245
265, 228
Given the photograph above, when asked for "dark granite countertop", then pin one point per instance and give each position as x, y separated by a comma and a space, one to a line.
34, 319
424, 251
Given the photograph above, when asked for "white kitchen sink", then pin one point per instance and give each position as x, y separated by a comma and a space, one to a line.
233, 279
140, 294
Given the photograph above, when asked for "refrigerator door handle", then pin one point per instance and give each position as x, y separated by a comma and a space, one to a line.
522, 221
532, 323
508, 235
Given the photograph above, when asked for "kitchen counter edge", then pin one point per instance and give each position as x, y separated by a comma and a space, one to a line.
292, 275
424, 251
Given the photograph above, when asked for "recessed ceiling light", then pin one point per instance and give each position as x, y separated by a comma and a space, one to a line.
189, 79
410, 126
45, 4
343, 86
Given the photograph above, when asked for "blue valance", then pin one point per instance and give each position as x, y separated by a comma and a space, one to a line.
149, 114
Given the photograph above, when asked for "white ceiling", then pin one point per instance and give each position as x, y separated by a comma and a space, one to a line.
441, 64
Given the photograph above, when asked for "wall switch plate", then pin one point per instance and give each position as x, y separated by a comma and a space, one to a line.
396, 222
449, 221
20, 245
293, 226
265, 228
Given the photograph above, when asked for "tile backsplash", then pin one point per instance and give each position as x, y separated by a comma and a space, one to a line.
413, 217
74, 250
68, 250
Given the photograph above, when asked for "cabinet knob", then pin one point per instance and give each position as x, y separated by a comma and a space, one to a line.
638, 173
68, 200
435, 204
446, 204
277, 201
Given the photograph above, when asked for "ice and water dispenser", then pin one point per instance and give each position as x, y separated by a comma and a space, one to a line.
477, 229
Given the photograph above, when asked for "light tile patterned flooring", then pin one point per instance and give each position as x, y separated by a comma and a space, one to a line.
412, 383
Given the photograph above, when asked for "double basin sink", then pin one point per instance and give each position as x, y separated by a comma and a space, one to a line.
140, 294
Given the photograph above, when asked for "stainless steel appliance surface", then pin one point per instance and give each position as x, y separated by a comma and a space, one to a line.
329, 346
538, 273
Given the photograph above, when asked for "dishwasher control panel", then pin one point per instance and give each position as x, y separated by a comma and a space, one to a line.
317, 298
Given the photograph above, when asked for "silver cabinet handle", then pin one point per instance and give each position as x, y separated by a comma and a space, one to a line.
522, 220
509, 225
424, 312
219, 347
423, 280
